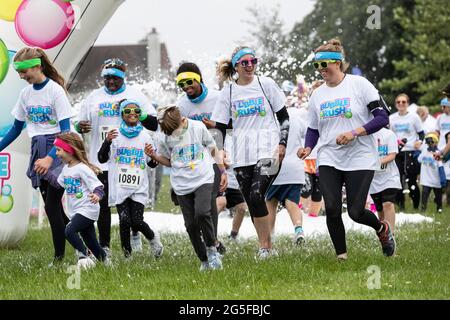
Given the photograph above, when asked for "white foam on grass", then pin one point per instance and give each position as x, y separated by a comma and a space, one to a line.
313, 226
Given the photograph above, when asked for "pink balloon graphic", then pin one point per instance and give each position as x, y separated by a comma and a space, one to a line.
44, 23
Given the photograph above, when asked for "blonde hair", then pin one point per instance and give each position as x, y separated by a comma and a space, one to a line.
334, 45
403, 95
77, 144
422, 111
225, 69
46, 65
169, 119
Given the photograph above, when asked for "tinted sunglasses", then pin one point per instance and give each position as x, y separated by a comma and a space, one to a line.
114, 62
248, 62
186, 82
130, 110
323, 64
400, 102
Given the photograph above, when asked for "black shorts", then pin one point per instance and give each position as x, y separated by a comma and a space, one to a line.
387, 195
234, 197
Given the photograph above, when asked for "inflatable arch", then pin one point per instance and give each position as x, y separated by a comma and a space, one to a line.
66, 30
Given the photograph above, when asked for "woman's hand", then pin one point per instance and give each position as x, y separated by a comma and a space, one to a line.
345, 138
208, 123
94, 198
223, 182
149, 151
303, 153
114, 133
41, 166
281, 152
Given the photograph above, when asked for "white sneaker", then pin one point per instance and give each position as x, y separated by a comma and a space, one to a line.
107, 251
156, 246
204, 266
108, 262
85, 263
214, 258
136, 243
263, 254
299, 237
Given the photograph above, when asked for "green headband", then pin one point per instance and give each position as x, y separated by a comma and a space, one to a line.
27, 64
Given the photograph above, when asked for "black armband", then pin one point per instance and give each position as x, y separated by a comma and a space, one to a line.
103, 153
283, 119
150, 123
421, 135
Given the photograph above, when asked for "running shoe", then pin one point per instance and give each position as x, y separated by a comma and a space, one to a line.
387, 239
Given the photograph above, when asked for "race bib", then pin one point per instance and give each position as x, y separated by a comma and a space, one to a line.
383, 167
129, 177
103, 131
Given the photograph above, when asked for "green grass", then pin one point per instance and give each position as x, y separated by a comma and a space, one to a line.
419, 271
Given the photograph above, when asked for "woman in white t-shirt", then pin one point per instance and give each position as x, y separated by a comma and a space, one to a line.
344, 112
197, 103
386, 180
124, 151
45, 108
98, 115
83, 192
256, 107
408, 128
188, 148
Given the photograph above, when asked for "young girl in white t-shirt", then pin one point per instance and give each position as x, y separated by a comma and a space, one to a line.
83, 192
187, 149
124, 150
44, 107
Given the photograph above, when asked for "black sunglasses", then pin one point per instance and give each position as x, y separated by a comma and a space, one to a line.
246, 63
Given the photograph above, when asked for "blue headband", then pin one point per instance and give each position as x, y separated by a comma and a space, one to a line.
327, 55
445, 102
113, 72
240, 54
127, 102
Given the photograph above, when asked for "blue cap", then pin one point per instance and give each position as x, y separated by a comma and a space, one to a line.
445, 102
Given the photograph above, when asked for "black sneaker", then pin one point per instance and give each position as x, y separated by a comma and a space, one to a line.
221, 248
387, 239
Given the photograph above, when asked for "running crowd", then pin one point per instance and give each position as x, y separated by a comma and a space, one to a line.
250, 146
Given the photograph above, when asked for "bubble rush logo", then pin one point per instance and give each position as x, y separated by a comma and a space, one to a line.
429, 161
401, 127
337, 108
6, 199
41, 115
249, 107
108, 109
187, 154
445, 126
201, 116
130, 156
73, 187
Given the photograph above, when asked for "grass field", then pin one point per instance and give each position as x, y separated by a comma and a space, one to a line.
419, 271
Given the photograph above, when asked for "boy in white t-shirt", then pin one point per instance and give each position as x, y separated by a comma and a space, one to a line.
187, 149
432, 174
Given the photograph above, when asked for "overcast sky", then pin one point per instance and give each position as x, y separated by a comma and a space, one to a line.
196, 30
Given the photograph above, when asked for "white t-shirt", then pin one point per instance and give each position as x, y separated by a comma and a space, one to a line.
335, 110
198, 111
443, 126
406, 126
127, 169
292, 168
79, 181
429, 124
102, 110
429, 169
255, 128
190, 158
228, 148
43, 109
387, 176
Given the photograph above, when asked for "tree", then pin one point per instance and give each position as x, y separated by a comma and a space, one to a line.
426, 37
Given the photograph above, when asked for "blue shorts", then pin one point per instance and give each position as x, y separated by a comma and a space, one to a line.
284, 192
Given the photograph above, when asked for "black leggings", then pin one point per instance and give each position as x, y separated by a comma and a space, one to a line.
131, 215
437, 197
56, 217
357, 185
216, 187
409, 169
254, 182
104, 219
311, 187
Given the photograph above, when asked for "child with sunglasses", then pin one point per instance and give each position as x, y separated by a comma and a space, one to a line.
187, 148
83, 192
124, 152
98, 115
198, 104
